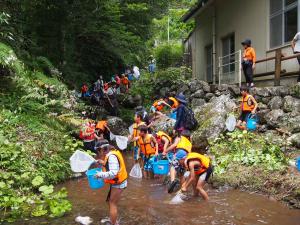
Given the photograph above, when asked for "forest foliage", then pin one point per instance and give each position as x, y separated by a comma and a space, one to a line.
84, 39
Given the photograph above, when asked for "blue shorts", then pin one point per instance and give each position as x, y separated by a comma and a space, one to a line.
135, 152
148, 163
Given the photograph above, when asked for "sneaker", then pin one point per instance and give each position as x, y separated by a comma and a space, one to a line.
173, 185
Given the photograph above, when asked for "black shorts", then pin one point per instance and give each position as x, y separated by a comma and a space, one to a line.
244, 116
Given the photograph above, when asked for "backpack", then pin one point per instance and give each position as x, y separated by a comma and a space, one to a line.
189, 120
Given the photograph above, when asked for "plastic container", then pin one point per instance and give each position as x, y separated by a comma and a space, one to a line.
298, 163
93, 181
173, 115
252, 122
161, 167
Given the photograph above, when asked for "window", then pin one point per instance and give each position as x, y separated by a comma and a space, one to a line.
228, 54
209, 63
283, 21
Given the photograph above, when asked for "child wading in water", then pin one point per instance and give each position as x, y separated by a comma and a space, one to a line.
114, 172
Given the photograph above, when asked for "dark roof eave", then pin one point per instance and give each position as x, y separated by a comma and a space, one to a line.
193, 11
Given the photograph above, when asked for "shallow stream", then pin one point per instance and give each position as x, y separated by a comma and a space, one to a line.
147, 202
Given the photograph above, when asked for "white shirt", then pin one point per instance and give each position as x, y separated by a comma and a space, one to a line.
136, 72
297, 42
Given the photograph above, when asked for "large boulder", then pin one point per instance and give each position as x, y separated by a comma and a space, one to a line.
163, 123
194, 86
209, 96
290, 122
262, 115
272, 118
204, 86
295, 140
262, 92
291, 104
130, 100
235, 90
211, 118
198, 94
197, 102
117, 126
275, 103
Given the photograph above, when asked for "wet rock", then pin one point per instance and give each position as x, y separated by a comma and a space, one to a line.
194, 86
183, 89
222, 87
295, 140
205, 86
290, 122
117, 126
235, 90
263, 92
265, 100
163, 123
209, 96
196, 102
272, 118
211, 118
262, 106
262, 115
198, 94
291, 104
275, 103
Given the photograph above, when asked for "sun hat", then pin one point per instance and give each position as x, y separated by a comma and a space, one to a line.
181, 98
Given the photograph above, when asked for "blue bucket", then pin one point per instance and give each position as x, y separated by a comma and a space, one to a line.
161, 167
252, 122
298, 163
173, 115
93, 181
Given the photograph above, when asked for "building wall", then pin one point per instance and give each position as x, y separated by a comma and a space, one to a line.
248, 19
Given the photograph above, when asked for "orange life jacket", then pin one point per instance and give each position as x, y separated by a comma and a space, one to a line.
101, 125
122, 174
125, 80
247, 104
158, 106
175, 103
146, 146
204, 160
184, 144
159, 136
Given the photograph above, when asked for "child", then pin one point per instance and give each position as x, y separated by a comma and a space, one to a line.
114, 172
248, 106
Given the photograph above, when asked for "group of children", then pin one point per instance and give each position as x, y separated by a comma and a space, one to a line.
187, 168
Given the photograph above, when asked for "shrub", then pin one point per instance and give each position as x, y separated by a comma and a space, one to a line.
168, 55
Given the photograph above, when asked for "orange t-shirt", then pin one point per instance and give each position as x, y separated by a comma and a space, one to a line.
249, 54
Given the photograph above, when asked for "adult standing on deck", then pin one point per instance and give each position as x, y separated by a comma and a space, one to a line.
248, 62
296, 49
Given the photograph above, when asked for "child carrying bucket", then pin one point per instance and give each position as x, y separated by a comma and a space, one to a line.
248, 107
114, 173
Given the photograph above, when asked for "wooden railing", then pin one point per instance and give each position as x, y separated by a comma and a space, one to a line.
279, 72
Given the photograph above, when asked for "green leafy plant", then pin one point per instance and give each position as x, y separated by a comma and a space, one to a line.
246, 149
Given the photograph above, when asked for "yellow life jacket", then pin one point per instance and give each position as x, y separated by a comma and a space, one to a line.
184, 144
204, 160
158, 106
175, 103
146, 146
161, 134
247, 104
122, 174
136, 131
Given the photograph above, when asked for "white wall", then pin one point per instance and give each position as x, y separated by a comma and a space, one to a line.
247, 19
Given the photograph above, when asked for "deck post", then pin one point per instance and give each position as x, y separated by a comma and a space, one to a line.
277, 67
